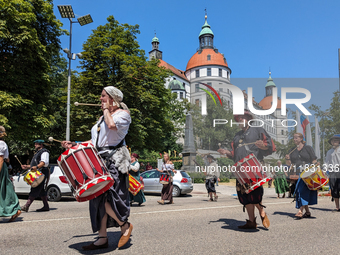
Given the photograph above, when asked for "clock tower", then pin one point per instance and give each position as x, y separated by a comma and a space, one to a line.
155, 52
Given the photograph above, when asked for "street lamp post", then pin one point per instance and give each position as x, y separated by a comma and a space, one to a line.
66, 11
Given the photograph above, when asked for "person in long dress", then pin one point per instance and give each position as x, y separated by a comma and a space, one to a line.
111, 209
135, 172
300, 156
9, 202
280, 180
167, 168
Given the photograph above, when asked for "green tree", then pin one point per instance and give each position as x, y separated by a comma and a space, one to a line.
112, 56
29, 45
329, 120
210, 137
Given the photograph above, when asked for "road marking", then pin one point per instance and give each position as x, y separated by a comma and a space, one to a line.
59, 219
203, 208
151, 212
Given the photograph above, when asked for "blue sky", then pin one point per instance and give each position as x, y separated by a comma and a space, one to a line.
295, 39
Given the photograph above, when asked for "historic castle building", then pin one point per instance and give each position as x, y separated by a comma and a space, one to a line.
210, 66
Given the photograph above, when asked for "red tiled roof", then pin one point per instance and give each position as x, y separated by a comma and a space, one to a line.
266, 103
173, 69
201, 59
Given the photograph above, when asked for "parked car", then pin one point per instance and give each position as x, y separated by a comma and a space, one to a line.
57, 185
181, 181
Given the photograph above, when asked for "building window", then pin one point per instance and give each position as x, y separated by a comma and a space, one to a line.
220, 72
197, 73
283, 142
181, 95
220, 89
228, 104
208, 71
208, 57
197, 102
197, 87
282, 132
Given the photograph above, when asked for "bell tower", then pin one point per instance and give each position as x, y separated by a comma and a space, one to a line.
155, 52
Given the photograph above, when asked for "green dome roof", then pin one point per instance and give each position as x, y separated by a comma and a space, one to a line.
270, 81
155, 39
206, 29
175, 84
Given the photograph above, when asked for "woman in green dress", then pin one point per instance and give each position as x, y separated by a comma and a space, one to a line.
139, 198
280, 181
9, 202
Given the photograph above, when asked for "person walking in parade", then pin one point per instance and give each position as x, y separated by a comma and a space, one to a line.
135, 172
40, 162
9, 202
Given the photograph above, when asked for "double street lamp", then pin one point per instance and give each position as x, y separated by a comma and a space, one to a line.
66, 11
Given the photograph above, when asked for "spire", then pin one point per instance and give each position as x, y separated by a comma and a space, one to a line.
155, 52
270, 85
270, 81
206, 35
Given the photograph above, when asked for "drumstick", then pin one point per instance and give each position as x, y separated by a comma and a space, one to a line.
246, 144
76, 104
52, 139
292, 151
17, 159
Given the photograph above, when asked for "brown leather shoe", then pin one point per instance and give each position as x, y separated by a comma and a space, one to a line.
249, 225
265, 221
92, 246
160, 202
13, 218
124, 239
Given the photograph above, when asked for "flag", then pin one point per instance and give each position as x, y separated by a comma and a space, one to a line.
317, 139
309, 140
304, 122
298, 126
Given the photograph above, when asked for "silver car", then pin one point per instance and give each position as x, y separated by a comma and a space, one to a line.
181, 181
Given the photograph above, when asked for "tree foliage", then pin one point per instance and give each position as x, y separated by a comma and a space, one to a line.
210, 137
112, 56
29, 46
329, 120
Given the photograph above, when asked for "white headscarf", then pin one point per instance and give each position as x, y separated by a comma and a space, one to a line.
117, 96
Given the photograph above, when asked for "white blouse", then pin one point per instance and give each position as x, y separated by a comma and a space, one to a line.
168, 167
3, 149
109, 137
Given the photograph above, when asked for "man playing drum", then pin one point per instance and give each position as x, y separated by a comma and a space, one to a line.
250, 140
39, 162
333, 165
112, 208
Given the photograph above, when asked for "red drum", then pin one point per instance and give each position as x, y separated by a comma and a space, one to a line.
249, 173
164, 178
85, 171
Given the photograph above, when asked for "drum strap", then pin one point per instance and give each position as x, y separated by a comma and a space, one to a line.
98, 130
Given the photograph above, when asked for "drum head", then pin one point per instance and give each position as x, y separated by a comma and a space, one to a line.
309, 171
38, 180
94, 188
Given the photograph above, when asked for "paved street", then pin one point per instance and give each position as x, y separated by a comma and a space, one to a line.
190, 226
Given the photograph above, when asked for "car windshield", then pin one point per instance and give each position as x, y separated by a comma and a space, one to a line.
151, 174
184, 174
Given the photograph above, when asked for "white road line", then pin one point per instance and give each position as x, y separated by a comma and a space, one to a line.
151, 212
